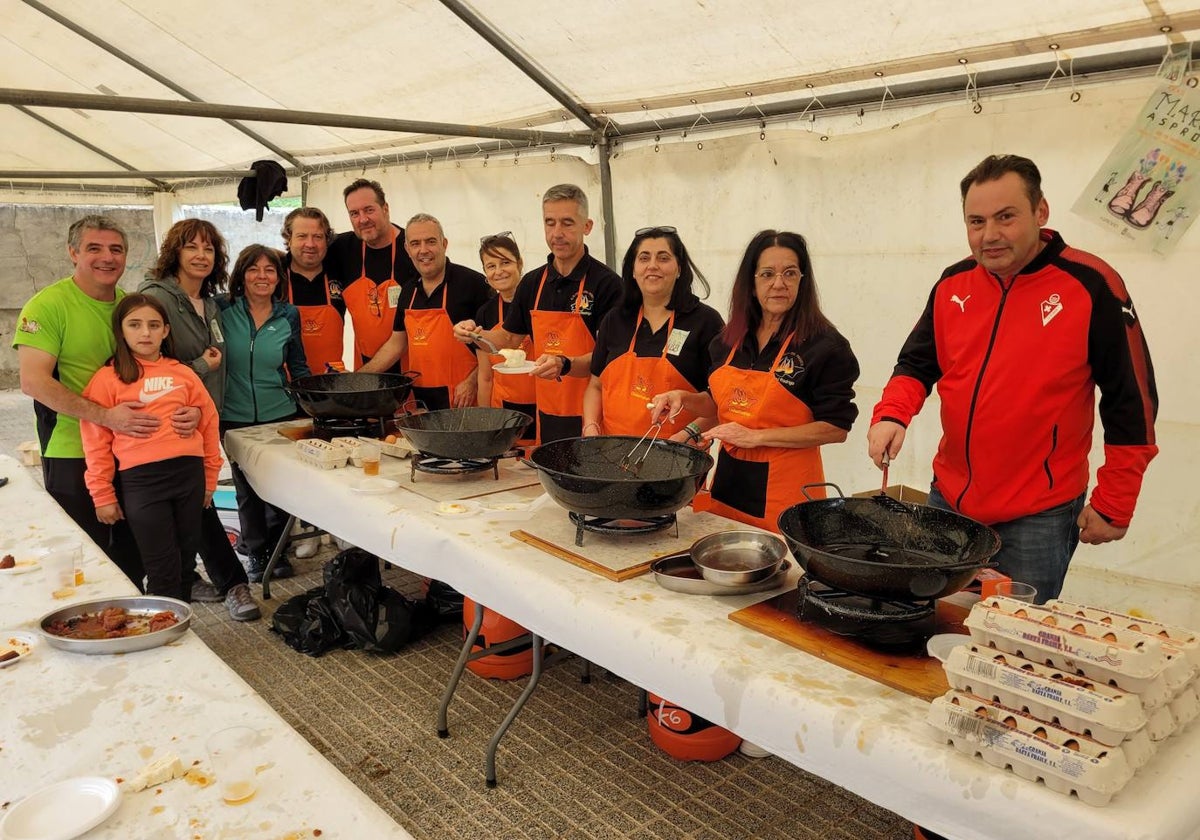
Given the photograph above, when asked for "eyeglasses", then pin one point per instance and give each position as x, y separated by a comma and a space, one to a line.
504, 234
789, 275
373, 302
656, 229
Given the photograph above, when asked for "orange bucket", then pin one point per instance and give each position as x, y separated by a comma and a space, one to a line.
509, 665
685, 736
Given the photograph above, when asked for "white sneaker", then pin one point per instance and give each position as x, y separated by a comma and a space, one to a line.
753, 750
307, 548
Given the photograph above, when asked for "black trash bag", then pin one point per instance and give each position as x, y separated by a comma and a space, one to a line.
445, 601
307, 624
374, 617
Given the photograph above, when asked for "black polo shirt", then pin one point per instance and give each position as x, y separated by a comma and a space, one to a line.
344, 260
305, 292
466, 291
696, 323
822, 375
602, 292
488, 315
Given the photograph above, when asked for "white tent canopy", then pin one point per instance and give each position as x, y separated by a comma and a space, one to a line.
698, 115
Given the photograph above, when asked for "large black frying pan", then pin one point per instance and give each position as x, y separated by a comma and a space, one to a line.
893, 551
336, 396
464, 433
596, 476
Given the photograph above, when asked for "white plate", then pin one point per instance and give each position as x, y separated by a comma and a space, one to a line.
17, 640
21, 568
457, 507
63, 810
939, 646
374, 484
524, 367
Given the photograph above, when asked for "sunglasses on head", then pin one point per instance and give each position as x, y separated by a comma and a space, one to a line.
656, 229
504, 234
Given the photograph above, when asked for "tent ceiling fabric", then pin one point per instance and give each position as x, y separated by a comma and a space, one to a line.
627, 62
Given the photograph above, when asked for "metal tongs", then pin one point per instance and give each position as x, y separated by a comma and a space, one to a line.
492, 348
632, 463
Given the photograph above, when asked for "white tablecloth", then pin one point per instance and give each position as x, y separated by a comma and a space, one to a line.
862, 735
67, 715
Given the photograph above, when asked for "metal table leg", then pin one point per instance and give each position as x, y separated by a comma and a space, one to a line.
443, 728
538, 662
276, 553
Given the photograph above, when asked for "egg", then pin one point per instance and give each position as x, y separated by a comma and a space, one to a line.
513, 358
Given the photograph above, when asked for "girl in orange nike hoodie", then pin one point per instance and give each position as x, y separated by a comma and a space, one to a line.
164, 480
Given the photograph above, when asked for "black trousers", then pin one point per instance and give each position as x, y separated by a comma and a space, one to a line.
262, 523
163, 502
223, 567
63, 478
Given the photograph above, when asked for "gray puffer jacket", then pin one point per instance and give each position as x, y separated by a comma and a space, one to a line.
192, 334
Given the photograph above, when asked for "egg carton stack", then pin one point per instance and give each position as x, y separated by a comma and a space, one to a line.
321, 454
1073, 696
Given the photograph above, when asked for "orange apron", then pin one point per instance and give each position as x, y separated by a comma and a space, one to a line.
442, 360
514, 391
321, 331
756, 485
560, 404
628, 383
372, 308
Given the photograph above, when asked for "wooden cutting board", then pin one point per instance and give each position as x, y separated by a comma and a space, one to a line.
918, 675
297, 432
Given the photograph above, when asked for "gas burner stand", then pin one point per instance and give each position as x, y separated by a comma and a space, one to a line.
437, 465
602, 525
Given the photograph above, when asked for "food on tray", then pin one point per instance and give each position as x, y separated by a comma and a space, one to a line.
513, 358
8, 562
452, 507
112, 623
390, 439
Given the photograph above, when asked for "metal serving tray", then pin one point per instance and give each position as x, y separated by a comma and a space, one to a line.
139, 605
678, 573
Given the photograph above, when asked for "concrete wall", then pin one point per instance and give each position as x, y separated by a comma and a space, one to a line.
33, 251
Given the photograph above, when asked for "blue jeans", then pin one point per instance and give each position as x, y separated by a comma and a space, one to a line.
1037, 548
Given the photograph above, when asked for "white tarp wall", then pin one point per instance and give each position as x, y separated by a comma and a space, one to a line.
881, 212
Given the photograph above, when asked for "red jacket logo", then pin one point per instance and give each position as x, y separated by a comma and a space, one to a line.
1050, 308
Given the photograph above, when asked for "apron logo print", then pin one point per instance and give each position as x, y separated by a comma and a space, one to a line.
311, 326
553, 340
790, 368
420, 335
641, 389
741, 402
582, 303
1050, 308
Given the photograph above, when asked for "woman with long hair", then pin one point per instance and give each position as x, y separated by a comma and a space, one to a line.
656, 340
781, 386
191, 271
263, 353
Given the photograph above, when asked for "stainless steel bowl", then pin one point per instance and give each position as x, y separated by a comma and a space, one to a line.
737, 557
678, 573
138, 605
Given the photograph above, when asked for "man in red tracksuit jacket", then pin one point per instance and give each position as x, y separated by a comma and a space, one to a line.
1016, 339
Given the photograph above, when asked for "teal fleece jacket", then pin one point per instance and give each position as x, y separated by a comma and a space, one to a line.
260, 361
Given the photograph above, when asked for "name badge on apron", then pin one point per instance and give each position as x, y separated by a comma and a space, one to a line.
393, 294
676, 340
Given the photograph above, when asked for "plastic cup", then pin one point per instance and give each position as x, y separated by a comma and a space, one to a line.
232, 752
64, 565
1016, 590
370, 453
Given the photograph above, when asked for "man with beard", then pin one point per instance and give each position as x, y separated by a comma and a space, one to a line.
307, 234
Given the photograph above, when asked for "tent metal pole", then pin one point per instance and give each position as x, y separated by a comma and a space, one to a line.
97, 189
506, 48
91, 147
606, 202
153, 74
52, 174
140, 105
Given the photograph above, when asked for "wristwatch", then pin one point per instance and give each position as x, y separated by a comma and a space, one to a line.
566, 365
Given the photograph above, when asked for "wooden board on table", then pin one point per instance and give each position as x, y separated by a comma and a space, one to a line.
299, 431
619, 556
917, 674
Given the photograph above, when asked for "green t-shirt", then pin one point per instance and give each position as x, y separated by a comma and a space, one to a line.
77, 330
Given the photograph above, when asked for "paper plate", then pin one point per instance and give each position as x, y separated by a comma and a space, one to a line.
524, 367
21, 568
373, 485
63, 810
939, 646
17, 640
